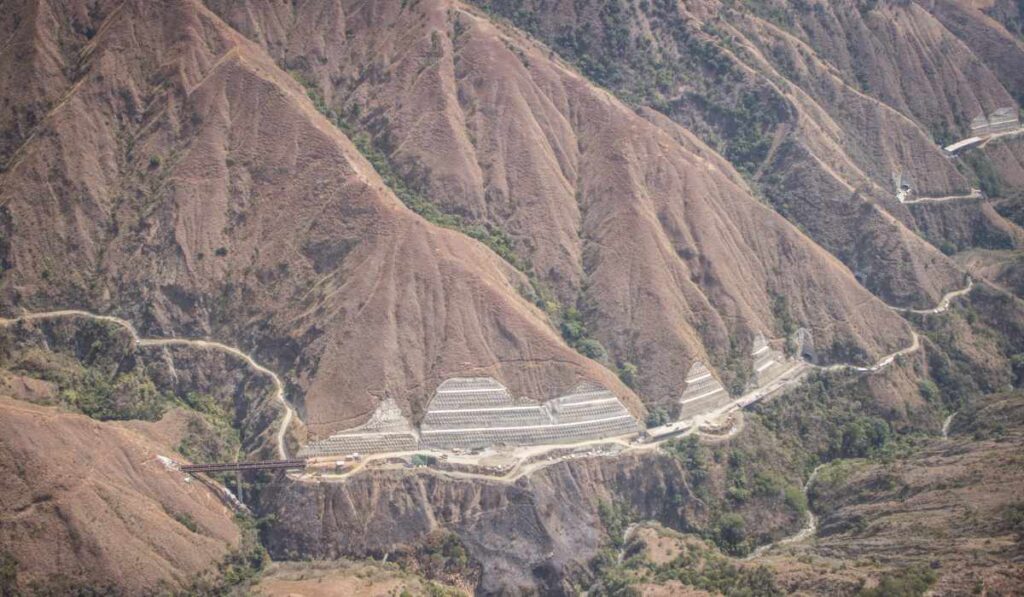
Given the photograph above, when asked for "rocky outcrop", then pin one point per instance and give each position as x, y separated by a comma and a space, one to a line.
536, 534
530, 535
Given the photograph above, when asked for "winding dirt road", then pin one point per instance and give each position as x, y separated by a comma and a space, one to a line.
943, 304
974, 194
789, 377
206, 344
806, 532
946, 424
885, 361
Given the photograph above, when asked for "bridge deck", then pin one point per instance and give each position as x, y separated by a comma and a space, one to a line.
220, 467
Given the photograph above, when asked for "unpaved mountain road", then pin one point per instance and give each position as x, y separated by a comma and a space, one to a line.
196, 343
789, 377
943, 303
974, 194
946, 424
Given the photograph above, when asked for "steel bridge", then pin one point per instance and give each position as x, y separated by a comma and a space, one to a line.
220, 467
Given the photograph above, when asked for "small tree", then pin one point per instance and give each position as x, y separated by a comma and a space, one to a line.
592, 349
657, 416
629, 374
732, 531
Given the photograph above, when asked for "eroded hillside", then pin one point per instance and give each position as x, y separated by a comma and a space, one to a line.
821, 103
364, 198
176, 176
634, 223
88, 504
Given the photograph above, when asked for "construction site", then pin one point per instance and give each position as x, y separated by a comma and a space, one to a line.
1002, 122
478, 412
474, 425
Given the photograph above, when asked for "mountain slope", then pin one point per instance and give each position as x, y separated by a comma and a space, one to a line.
821, 103
188, 184
637, 224
87, 504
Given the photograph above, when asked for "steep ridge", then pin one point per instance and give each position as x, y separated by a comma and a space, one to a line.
188, 185
978, 26
752, 81
653, 237
82, 513
901, 54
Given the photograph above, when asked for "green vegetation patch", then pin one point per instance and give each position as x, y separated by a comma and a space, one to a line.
567, 318
240, 569
913, 581
617, 572
443, 555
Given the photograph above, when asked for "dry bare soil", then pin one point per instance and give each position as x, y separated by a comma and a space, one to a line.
87, 504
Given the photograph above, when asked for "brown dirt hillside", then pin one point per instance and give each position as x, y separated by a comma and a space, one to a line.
819, 102
86, 504
954, 507
992, 33
905, 55
342, 578
652, 236
177, 177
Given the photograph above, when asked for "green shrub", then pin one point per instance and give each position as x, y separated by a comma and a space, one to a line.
693, 456
1017, 366
731, 532
8, 574
929, 391
208, 439
908, 582
130, 395
795, 498
186, 520
445, 552
629, 374
592, 349
768, 484
738, 494
615, 518
657, 416
423, 460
